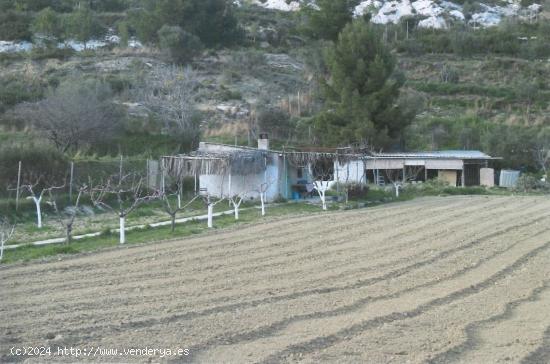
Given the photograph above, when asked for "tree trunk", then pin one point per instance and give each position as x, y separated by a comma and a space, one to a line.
210, 216
38, 212
2, 241
122, 229
69, 234
173, 222
236, 211
262, 199
396, 190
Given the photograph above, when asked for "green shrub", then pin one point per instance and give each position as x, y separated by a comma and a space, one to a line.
15, 89
15, 26
530, 183
41, 53
226, 94
179, 45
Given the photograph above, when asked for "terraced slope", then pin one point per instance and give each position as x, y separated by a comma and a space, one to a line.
441, 280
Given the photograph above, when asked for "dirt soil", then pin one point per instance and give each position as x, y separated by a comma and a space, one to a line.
436, 280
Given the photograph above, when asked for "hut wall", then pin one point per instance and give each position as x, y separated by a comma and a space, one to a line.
219, 186
487, 177
350, 172
455, 164
389, 163
448, 176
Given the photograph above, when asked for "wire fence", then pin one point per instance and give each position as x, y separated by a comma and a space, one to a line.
74, 174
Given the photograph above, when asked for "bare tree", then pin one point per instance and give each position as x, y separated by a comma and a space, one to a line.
542, 152
542, 157
129, 193
171, 93
36, 192
321, 187
75, 114
210, 204
236, 199
262, 191
68, 215
6, 232
399, 177
172, 208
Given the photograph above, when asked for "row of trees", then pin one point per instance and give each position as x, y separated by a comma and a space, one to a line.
181, 28
49, 27
120, 194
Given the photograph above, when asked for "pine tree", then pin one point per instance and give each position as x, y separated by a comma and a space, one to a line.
361, 91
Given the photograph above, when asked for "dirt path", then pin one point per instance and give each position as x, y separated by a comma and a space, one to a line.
441, 280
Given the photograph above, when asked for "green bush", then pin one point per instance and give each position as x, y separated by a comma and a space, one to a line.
15, 89
226, 94
15, 26
179, 45
41, 53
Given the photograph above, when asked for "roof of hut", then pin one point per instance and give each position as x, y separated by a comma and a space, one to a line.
243, 162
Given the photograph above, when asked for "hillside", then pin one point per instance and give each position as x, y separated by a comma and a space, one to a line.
475, 88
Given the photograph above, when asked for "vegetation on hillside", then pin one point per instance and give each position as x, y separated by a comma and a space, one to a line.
308, 77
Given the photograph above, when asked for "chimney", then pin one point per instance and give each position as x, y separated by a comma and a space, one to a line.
263, 142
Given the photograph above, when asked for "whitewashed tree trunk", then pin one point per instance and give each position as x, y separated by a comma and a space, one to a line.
236, 207
397, 190
37, 202
322, 187
210, 216
2, 242
262, 200
122, 229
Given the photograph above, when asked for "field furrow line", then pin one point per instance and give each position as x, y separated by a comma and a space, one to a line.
165, 269
361, 284
241, 240
322, 342
149, 285
273, 329
540, 354
473, 341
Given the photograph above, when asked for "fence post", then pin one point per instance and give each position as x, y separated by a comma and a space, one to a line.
18, 187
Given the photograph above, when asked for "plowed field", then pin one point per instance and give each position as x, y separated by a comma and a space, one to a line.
441, 280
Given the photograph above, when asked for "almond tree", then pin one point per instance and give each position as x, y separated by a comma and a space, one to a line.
399, 177
36, 192
129, 193
262, 191
236, 201
322, 187
67, 216
6, 232
172, 208
210, 204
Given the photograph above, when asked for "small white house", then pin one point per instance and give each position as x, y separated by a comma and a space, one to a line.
225, 170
